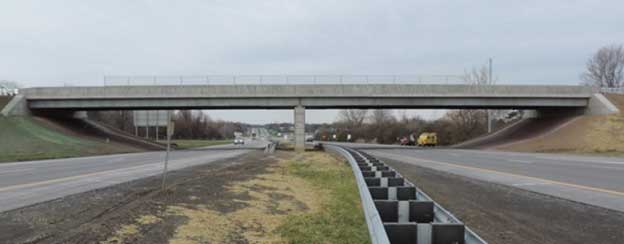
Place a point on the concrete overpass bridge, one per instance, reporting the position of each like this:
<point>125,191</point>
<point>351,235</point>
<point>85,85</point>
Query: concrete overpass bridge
<point>544,99</point>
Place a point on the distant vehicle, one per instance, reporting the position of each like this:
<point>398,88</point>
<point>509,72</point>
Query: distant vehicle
<point>428,139</point>
<point>253,135</point>
<point>408,140</point>
<point>404,141</point>
<point>239,141</point>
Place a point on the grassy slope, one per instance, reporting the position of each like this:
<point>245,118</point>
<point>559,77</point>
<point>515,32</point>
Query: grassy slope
<point>23,138</point>
<point>4,101</point>
<point>594,134</point>
<point>185,144</point>
<point>342,219</point>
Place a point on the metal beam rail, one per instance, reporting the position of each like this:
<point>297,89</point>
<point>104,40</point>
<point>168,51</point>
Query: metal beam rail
<point>117,80</point>
<point>377,228</point>
<point>373,220</point>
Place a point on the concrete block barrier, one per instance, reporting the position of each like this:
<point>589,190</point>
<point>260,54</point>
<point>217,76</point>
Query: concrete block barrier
<point>384,181</point>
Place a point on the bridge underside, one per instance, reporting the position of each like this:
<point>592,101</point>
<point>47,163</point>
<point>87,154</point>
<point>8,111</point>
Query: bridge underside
<point>553,105</point>
<point>311,103</point>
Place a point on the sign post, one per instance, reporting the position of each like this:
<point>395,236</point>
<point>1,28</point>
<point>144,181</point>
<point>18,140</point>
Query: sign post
<point>170,128</point>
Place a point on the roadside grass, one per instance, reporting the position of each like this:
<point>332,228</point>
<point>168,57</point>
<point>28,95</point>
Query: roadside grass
<point>187,144</point>
<point>4,100</point>
<point>341,219</point>
<point>285,197</point>
<point>22,138</point>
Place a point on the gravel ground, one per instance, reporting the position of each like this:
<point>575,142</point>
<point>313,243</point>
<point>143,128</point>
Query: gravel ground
<point>502,214</point>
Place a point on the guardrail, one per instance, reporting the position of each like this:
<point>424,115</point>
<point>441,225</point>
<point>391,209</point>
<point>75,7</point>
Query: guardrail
<point>396,210</point>
<point>115,80</point>
<point>373,220</point>
<point>617,90</point>
<point>6,89</point>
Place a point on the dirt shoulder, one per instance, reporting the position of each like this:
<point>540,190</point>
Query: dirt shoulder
<point>254,198</point>
<point>502,214</point>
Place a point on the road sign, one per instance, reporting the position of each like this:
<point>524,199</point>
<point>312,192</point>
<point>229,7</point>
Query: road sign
<point>151,118</point>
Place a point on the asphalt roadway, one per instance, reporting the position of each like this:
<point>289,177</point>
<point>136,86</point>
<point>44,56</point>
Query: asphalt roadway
<point>26,183</point>
<point>597,181</point>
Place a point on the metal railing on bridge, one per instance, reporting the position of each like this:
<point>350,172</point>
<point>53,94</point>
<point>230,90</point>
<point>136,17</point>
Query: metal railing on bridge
<point>115,80</point>
<point>8,89</point>
<point>617,90</point>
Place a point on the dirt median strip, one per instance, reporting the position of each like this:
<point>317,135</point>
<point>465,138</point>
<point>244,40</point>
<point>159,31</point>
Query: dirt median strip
<point>256,198</point>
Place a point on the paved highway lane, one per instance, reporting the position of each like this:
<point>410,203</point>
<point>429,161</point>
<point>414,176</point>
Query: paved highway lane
<point>26,183</point>
<point>593,180</point>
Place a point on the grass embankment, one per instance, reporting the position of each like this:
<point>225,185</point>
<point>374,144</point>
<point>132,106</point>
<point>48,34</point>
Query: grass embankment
<point>590,134</point>
<point>23,138</point>
<point>186,144</point>
<point>300,198</point>
<point>4,100</point>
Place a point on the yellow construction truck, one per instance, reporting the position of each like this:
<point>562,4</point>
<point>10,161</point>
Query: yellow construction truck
<point>427,139</point>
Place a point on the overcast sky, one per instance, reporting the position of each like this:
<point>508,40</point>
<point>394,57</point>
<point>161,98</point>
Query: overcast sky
<point>78,42</point>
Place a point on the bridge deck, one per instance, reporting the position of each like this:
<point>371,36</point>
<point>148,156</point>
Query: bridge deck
<point>310,96</point>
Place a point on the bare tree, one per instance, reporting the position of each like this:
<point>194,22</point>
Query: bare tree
<point>352,117</point>
<point>467,124</point>
<point>605,68</point>
<point>478,76</point>
<point>381,126</point>
<point>381,116</point>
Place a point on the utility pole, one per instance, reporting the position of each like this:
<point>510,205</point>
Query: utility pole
<point>489,113</point>
<point>170,128</point>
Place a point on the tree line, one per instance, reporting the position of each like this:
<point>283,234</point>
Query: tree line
<point>384,126</point>
<point>188,125</point>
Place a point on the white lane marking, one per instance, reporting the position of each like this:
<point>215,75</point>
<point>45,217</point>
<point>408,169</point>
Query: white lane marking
<point>579,160</point>
<point>519,161</point>
<point>14,170</point>
<point>531,184</point>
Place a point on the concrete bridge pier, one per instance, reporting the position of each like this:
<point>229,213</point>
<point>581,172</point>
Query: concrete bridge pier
<point>299,122</point>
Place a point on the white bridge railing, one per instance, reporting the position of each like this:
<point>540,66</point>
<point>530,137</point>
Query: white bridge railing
<point>8,89</point>
<point>617,90</point>
<point>115,80</point>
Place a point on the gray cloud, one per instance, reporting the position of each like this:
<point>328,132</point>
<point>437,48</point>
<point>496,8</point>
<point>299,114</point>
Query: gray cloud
<point>50,42</point>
